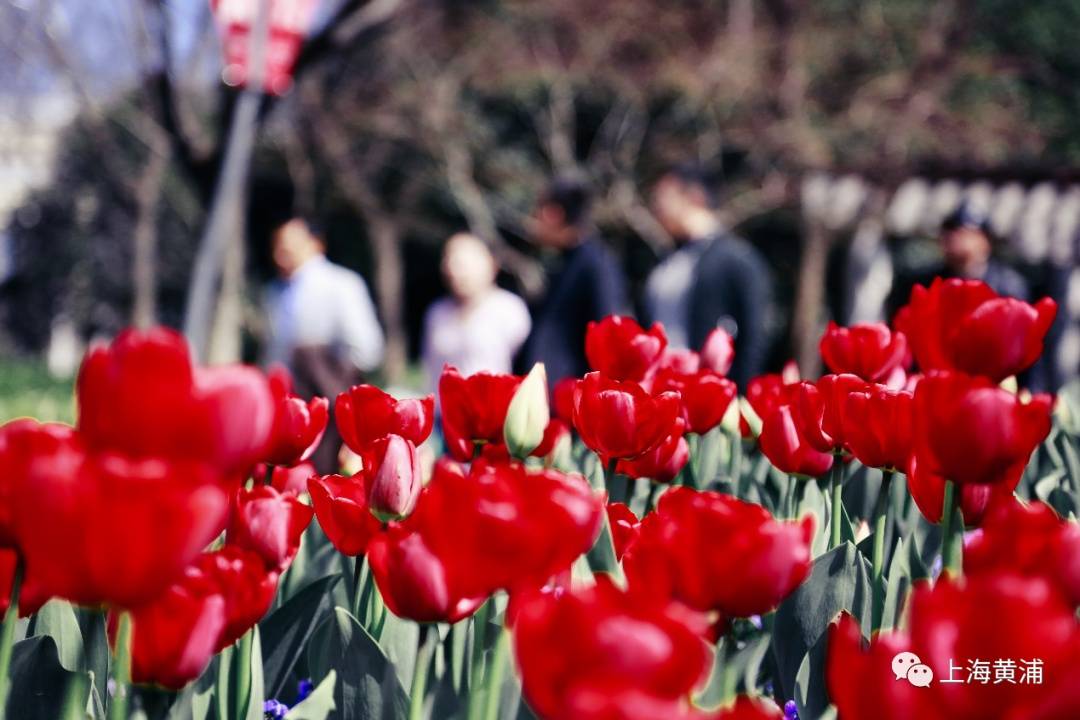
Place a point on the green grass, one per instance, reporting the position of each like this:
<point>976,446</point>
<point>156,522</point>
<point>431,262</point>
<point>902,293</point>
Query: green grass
<point>28,390</point>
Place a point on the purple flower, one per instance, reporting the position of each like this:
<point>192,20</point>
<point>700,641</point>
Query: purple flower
<point>274,710</point>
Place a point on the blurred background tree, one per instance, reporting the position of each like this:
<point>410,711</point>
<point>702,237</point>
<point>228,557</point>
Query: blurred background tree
<point>411,119</point>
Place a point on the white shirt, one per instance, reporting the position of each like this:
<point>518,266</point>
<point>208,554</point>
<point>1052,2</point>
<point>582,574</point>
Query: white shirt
<point>667,293</point>
<point>484,336</point>
<point>323,304</point>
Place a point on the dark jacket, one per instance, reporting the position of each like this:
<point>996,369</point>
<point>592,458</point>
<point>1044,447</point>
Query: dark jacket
<point>588,284</point>
<point>732,288</point>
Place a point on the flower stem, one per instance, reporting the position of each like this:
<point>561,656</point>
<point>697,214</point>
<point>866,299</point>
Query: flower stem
<point>7,635</point>
<point>496,672</point>
<point>837,479</point>
<point>654,490</point>
<point>269,474</point>
<point>952,532</point>
<point>121,669</point>
<point>881,516</point>
<point>425,647</point>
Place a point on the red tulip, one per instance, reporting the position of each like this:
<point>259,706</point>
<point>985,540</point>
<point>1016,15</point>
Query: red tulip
<point>393,475</point>
<point>555,431</point>
<point>13,459</point>
<point>695,539</point>
<point>174,636</point>
<point>765,393</point>
<point>820,410</point>
<point>705,396</point>
<point>292,480</point>
<point>31,595</point>
<point>107,529</point>
<point>598,652</point>
<point>298,425</point>
<point>879,426</point>
<point>749,708</point>
<point>474,409</point>
<point>964,325</point>
<point>624,527</point>
<point>787,448</point>
<point>140,396</point>
<point>663,463</point>
<point>928,491</point>
<point>364,414</point>
<point>510,527</point>
<point>621,349</point>
<point>562,399</point>
<point>1030,540</point>
<point>244,583</point>
<point>718,352</point>
<point>971,431</point>
<point>414,581</point>
<point>871,351</point>
<point>620,419</point>
<point>998,617</point>
<point>269,523</point>
<point>341,505</point>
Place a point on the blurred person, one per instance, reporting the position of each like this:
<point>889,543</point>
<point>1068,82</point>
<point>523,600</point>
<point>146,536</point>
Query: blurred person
<point>967,251</point>
<point>967,245</point>
<point>712,279</point>
<point>478,326</point>
<point>322,323</point>
<point>586,283</point>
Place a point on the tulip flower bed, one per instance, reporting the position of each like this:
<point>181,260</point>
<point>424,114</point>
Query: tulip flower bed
<point>876,543</point>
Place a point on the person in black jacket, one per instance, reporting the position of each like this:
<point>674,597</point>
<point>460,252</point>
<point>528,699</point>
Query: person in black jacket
<point>713,278</point>
<point>585,282</point>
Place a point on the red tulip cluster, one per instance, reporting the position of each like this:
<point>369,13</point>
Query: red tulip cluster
<point>160,451</point>
<point>643,397</point>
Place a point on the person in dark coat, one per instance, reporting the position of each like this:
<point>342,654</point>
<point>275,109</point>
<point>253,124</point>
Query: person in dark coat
<point>967,251</point>
<point>585,282</point>
<point>713,278</point>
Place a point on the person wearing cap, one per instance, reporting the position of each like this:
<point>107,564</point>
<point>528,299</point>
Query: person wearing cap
<point>713,278</point>
<point>967,251</point>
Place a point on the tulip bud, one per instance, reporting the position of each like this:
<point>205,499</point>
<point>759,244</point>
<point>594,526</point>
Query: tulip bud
<point>528,415</point>
<point>395,479</point>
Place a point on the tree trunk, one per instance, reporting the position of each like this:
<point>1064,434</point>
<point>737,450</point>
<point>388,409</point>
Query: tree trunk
<point>390,292</point>
<point>144,276</point>
<point>806,320</point>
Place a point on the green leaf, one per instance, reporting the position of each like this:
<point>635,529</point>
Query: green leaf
<point>398,641</point>
<point>811,697</point>
<point>367,687</point>
<point>813,502</point>
<point>38,681</point>
<point>319,704</point>
<point>256,694</point>
<point>839,580</point>
<point>286,632</point>
<point>57,619</point>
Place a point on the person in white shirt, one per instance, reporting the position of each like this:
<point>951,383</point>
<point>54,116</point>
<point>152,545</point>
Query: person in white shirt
<point>322,324</point>
<point>315,303</point>
<point>479,326</point>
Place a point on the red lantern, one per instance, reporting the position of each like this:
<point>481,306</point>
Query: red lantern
<point>288,25</point>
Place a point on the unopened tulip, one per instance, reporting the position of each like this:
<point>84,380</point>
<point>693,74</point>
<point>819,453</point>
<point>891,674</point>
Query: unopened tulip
<point>364,414</point>
<point>964,325</point>
<point>394,477</point>
<point>620,419</point>
<point>621,349</point>
<point>298,425</point>
<point>705,396</point>
<point>718,352</point>
<point>269,523</point>
<point>528,415</point>
<point>871,351</point>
